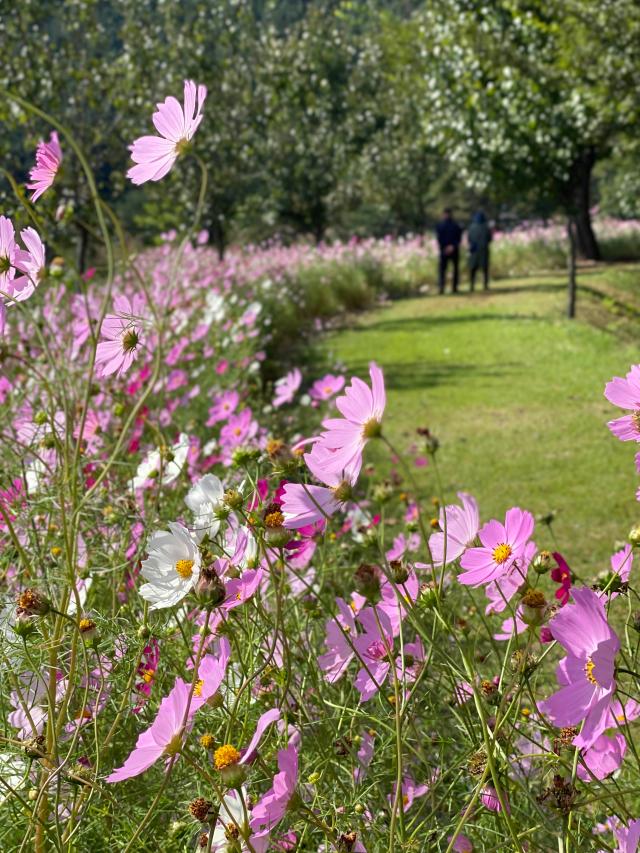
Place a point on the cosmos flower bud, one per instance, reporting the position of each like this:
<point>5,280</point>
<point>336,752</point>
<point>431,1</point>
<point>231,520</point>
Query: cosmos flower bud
<point>521,663</point>
<point>210,590</point>
<point>634,536</point>
<point>543,562</point>
<point>399,571</point>
<point>367,580</point>
<point>534,606</point>
<point>24,625</point>
<point>144,632</point>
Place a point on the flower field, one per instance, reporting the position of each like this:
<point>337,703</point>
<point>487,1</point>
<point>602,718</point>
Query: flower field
<point>222,628</point>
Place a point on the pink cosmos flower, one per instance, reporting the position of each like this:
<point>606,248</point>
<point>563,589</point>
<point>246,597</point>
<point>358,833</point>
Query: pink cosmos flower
<point>490,800</point>
<point>48,159</point>
<point>31,262</point>
<point>238,430</point>
<point>146,673</point>
<point>162,738</point>
<point>341,652</point>
<point>625,393</point>
<point>325,388</point>
<point>373,649</point>
<point>603,757</point>
<point>224,405</point>
<point>285,388</point>
<point>461,844</point>
<point>362,409</point>
<point>502,551</point>
<point>155,155</point>
<point>124,338</point>
<point>621,565</point>
<point>587,673</point>
<point>271,808</point>
<point>364,756</point>
<point>461,524</point>
<point>628,837</point>
<point>410,792</point>
<point>210,676</point>
<point>8,249</point>
<point>501,591</point>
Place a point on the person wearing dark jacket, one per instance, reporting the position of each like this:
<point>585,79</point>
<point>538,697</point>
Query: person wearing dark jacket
<point>479,237</point>
<point>449,235</point>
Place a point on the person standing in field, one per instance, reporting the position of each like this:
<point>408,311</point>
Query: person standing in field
<point>449,236</point>
<point>479,237</point>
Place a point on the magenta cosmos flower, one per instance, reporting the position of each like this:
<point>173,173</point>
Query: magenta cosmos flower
<point>48,159</point>
<point>503,548</point>
<point>123,339</point>
<point>285,388</point>
<point>155,155</point>
<point>587,673</point>
<point>162,738</point>
<point>461,524</point>
<point>362,409</point>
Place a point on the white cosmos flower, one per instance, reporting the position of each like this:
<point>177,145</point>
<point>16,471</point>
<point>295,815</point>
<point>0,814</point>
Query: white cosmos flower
<point>204,499</point>
<point>172,567</point>
<point>232,814</point>
<point>170,469</point>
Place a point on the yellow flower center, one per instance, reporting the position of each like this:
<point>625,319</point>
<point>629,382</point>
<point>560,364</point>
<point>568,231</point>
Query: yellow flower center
<point>183,568</point>
<point>588,669</point>
<point>225,755</point>
<point>501,553</point>
<point>274,519</point>
<point>207,741</point>
<point>147,675</point>
<point>197,690</point>
<point>635,417</point>
<point>372,428</point>
<point>174,746</point>
<point>130,340</point>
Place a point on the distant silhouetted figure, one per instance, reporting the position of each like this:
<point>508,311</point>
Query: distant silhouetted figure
<point>449,235</point>
<point>479,237</point>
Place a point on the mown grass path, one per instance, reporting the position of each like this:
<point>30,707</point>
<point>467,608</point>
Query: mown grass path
<point>515,394</point>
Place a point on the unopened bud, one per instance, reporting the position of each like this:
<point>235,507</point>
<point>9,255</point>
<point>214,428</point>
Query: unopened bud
<point>210,589</point>
<point>543,562</point>
<point>399,571</point>
<point>534,606</point>
<point>634,536</point>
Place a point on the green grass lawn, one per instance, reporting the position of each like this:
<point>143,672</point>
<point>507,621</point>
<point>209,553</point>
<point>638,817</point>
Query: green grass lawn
<point>514,392</point>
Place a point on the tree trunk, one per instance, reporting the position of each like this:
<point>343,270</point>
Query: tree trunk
<point>82,248</point>
<point>573,251</point>
<point>218,236</point>
<point>580,204</point>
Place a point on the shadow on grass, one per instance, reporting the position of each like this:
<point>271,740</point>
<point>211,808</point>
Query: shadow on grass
<point>426,321</point>
<point>415,376</point>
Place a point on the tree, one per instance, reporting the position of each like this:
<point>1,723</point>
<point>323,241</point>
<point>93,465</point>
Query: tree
<point>526,93</point>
